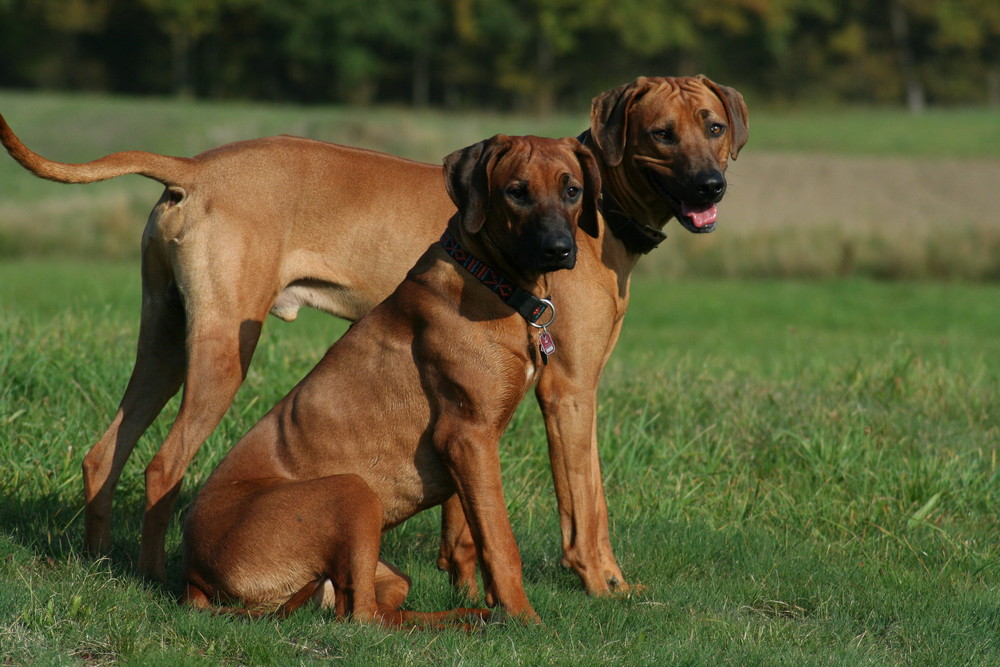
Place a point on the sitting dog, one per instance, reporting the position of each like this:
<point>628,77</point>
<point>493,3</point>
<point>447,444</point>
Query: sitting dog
<point>275,224</point>
<point>406,409</point>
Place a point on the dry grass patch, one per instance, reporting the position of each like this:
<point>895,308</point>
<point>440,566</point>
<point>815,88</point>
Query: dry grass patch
<point>821,215</point>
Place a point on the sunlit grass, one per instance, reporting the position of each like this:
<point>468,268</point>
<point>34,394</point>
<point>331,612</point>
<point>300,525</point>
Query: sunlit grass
<point>798,472</point>
<point>816,193</point>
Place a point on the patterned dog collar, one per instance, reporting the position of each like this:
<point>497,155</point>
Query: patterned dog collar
<point>526,304</point>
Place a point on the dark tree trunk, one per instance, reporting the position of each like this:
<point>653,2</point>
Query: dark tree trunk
<point>545,92</point>
<point>916,99</point>
<point>421,79</point>
<point>180,46</point>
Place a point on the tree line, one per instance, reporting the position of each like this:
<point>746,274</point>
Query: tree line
<point>505,54</point>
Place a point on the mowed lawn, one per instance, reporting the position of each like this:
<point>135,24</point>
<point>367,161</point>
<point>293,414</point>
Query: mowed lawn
<point>798,472</point>
<point>815,193</point>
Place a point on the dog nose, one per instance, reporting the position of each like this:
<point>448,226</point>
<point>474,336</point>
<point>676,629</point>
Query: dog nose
<point>710,184</point>
<point>558,248</point>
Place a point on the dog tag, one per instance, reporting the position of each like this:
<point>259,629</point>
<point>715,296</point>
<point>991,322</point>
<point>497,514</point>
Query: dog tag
<point>546,345</point>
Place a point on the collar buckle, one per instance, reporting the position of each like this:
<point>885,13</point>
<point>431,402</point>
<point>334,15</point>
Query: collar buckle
<point>529,306</point>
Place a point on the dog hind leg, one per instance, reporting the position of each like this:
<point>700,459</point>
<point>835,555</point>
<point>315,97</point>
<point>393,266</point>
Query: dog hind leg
<point>457,554</point>
<point>156,376</point>
<point>214,374</point>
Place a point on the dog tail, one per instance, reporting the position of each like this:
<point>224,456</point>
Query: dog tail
<point>163,168</point>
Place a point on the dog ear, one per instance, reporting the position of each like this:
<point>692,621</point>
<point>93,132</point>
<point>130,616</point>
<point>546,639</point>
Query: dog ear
<point>736,114</point>
<point>591,187</point>
<point>467,179</point>
<point>609,119</point>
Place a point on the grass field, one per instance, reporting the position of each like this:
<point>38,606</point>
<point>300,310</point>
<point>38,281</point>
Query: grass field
<point>816,193</point>
<point>798,472</point>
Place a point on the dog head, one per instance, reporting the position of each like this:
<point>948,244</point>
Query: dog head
<point>665,143</point>
<point>524,197</point>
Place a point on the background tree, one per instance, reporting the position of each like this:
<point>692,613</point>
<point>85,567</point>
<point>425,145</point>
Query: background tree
<point>505,54</point>
<point>185,22</point>
<point>71,22</point>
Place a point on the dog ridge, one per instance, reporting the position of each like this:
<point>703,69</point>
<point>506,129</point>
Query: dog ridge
<point>280,223</point>
<point>328,472</point>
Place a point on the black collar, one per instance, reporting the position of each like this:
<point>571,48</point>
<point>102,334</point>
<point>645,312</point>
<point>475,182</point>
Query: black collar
<point>525,303</point>
<point>638,238</point>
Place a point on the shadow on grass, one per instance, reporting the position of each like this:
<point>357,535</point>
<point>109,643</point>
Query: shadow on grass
<point>49,529</point>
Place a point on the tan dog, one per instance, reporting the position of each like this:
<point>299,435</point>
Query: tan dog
<point>275,224</point>
<point>663,145</point>
<point>407,408</point>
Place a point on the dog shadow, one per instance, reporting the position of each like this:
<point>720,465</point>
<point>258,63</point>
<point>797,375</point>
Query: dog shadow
<point>47,529</point>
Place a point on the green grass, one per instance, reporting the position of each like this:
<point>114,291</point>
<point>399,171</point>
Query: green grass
<point>937,133</point>
<point>76,127</point>
<point>799,473</point>
<point>816,192</point>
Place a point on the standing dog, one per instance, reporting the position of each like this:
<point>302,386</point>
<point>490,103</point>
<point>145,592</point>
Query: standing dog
<point>407,408</point>
<point>275,224</point>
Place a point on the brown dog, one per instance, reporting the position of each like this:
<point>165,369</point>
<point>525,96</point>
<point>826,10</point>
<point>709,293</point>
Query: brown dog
<point>275,224</point>
<point>407,408</point>
<point>663,145</point>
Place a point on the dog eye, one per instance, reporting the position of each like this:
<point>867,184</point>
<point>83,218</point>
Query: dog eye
<point>664,136</point>
<point>518,192</point>
<point>716,129</point>
<point>573,192</point>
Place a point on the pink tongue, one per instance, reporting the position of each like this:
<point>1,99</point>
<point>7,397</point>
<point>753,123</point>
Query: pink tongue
<point>701,217</point>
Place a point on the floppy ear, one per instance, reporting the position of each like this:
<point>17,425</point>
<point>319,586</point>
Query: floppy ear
<point>467,178</point>
<point>591,187</point>
<point>609,118</point>
<point>736,114</point>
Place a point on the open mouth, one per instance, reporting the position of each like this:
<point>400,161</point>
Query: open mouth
<point>697,218</point>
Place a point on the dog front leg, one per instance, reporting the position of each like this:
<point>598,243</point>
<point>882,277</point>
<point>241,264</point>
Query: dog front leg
<point>567,395</point>
<point>474,463</point>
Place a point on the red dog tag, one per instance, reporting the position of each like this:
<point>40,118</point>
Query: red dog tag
<point>545,343</point>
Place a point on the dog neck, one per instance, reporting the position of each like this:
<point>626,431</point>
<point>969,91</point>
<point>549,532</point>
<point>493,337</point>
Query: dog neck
<point>529,306</point>
<point>638,237</point>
